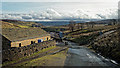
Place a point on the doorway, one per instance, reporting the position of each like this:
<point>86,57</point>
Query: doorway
<point>39,40</point>
<point>19,44</point>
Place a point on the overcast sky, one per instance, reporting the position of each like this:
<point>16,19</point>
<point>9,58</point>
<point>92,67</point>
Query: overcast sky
<point>60,0</point>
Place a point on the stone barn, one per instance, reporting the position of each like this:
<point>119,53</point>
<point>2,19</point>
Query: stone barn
<point>18,37</point>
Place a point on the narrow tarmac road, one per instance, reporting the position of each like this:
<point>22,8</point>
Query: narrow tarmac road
<point>82,56</point>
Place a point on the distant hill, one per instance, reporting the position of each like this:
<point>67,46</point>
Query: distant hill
<point>107,21</point>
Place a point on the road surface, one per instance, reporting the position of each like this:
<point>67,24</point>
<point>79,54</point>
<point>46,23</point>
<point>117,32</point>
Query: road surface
<point>82,56</point>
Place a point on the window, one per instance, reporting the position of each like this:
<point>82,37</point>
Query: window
<point>19,44</point>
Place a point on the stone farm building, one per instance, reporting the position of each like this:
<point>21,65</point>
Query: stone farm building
<point>17,37</point>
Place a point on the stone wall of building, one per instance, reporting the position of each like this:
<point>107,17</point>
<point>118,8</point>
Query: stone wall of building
<point>28,41</point>
<point>16,53</point>
<point>5,43</point>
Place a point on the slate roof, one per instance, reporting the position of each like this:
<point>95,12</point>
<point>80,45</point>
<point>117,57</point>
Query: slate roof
<point>18,34</point>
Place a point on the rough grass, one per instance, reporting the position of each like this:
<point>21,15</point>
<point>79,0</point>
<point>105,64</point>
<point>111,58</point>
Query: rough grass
<point>49,60</point>
<point>87,35</point>
<point>83,40</point>
<point>8,25</point>
<point>108,47</point>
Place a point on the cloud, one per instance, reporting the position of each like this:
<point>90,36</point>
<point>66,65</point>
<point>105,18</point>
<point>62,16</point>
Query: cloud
<point>51,14</point>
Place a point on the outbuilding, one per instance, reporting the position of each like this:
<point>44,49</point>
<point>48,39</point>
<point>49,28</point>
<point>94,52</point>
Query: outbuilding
<point>18,37</point>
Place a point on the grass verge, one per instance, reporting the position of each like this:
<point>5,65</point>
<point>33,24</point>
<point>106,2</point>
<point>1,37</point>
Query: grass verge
<point>48,60</point>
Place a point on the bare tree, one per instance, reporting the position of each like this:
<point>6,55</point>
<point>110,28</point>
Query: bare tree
<point>78,25</point>
<point>72,25</point>
<point>81,26</point>
<point>87,24</point>
<point>114,21</point>
<point>91,24</point>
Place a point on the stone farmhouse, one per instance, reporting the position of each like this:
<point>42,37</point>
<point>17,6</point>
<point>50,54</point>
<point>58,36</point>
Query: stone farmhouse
<point>18,37</point>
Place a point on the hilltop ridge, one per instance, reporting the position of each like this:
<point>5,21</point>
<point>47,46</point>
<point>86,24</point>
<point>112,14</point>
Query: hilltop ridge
<point>6,23</point>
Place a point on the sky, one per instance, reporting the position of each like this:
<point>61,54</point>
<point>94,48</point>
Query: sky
<point>59,9</point>
<point>60,0</point>
<point>57,6</point>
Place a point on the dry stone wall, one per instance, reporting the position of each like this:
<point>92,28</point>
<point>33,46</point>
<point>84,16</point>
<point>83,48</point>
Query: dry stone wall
<point>16,53</point>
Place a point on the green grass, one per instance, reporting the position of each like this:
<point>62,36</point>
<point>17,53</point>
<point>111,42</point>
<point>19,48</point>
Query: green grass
<point>83,40</point>
<point>23,26</point>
